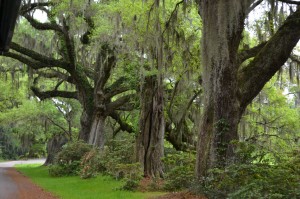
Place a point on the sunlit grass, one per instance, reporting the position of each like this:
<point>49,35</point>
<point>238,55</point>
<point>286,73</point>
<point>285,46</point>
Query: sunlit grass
<point>101,187</point>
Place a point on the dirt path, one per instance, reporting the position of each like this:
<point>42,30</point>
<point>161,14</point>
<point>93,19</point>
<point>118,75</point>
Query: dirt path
<point>14,185</point>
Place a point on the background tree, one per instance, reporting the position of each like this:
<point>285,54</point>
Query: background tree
<point>70,60</point>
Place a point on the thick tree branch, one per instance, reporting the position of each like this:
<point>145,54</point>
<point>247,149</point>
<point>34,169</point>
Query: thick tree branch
<point>119,102</point>
<point>249,53</point>
<point>290,2</point>
<point>39,57</point>
<point>253,6</point>
<point>29,62</point>
<point>69,42</point>
<point>42,26</point>
<point>55,93</point>
<point>116,88</point>
<point>269,60</point>
<point>56,74</point>
<point>123,125</point>
<point>31,6</point>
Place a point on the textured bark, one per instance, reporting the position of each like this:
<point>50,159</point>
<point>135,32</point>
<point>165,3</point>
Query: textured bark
<point>229,89</point>
<point>151,136</point>
<point>221,37</point>
<point>54,146</point>
<point>96,137</point>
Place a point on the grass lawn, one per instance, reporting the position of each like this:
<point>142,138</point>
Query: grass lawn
<point>101,187</point>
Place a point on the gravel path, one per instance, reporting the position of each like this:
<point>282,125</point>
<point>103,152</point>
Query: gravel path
<point>14,185</point>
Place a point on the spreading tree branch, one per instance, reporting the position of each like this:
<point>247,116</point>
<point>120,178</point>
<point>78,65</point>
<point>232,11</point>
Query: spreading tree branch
<point>252,52</point>
<point>290,2</point>
<point>56,74</point>
<point>118,102</point>
<point>39,57</point>
<point>269,60</point>
<point>54,93</point>
<point>29,62</point>
<point>253,6</point>
<point>123,125</point>
<point>31,6</point>
<point>43,26</point>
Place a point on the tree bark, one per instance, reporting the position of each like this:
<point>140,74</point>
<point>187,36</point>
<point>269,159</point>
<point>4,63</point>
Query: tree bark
<point>229,88</point>
<point>54,146</point>
<point>97,136</point>
<point>222,32</point>
<point>151,136</point>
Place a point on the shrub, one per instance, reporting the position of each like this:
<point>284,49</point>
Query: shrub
<point>91,164</point>
<point>180,177</point>
<point>131,174</point>
<point>67,162</point>
<point>117,153</point>
<point>179,170</point>
<point>130,185</point>
<point>254,181</point>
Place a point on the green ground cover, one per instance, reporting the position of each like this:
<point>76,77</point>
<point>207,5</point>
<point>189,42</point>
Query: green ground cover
<point>101,187</point>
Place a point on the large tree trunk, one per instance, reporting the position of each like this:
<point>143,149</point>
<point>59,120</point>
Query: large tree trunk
<point>151,136</point>
<point>86,124</point>
<point>97,136</point>
<point>92,126</point>
<point>223,23</point>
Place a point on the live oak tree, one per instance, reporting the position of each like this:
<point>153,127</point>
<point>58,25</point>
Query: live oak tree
<point>160,52</point>
<point>70,60</point>
<point>230,83</point>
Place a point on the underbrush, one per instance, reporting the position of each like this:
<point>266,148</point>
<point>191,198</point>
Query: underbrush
<point>81,159</point>
<point>249,179</point>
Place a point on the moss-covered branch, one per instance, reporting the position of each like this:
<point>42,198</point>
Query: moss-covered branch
<point>54,93</point>
<point>39,57</point>
<point>28,61</point>
<point>42,26</point>
<point>270,59</point>
<point>249,53</point>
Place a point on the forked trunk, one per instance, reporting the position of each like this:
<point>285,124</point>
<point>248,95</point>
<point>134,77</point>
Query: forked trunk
<point>151,137</point>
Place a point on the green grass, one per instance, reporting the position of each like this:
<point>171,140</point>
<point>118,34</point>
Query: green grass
<point>101,187</point>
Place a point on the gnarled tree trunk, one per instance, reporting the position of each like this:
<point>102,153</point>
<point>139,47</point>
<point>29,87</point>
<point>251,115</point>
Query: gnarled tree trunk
<point>151,136</point>
<point>223,23</point>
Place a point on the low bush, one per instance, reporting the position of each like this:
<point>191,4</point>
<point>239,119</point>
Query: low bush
<point>67,162</point>
<point>254,180</point>
<point>91,164</point>
<point>131,174</point>
<point>180,168</point>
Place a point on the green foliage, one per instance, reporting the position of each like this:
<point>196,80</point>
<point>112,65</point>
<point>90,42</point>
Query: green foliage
<point>180,169</point>
<point>132,174</point>
<point>37,150</point>
<point>67,162</point>
<point>130,185</point>
<point>254,180</point>
<point>118,152</point>
<point>271,124</point>
<point>91,164</point>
